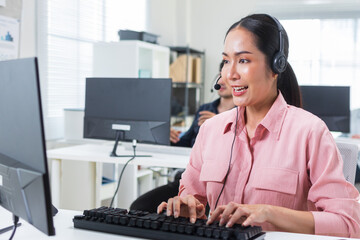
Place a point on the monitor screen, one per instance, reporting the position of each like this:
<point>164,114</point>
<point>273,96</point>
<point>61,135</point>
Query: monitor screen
<point>330,103</point>
<point>24,177</point>
<point>141,106</point>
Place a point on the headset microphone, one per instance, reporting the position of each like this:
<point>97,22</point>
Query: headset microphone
<point>217,86</point>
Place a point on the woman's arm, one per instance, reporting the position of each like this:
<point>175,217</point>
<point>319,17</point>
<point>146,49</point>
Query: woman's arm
<point>337,210</point>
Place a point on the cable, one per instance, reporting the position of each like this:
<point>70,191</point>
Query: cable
<point>232,147</point>
<point>16,220</point>
<point>122,171</point>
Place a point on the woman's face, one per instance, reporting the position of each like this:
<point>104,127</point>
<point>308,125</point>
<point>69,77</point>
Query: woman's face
<point>245,68</point>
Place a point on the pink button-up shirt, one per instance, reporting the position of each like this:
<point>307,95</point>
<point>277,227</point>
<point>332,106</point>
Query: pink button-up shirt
<point>292,161</point>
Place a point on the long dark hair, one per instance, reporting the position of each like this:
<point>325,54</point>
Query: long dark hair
<point>266,34</point>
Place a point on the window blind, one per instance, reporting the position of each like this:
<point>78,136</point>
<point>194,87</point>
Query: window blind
<point>67,30</point>
<point>326,52</point>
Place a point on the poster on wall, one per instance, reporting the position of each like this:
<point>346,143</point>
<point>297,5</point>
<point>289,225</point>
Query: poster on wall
<point>9,38</point>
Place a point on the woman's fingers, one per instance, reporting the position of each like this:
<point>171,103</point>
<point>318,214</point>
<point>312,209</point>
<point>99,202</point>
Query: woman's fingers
<point>161,207</point>
<point>228,212</point>
<point>191,208</point>
<point>233,213</point>
<point>187,206</point>
<point>176,206</point>
<point>215,215</point>
<point>238,216</point>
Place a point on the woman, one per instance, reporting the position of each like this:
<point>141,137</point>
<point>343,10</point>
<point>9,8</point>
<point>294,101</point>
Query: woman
<point>267,162</point>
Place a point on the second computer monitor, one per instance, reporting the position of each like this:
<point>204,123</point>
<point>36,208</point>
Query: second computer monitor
<point>139,107</point>
<point>330,103</point>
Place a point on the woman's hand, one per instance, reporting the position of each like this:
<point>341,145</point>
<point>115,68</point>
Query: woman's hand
<point>187,206</point>
<point>240,213</point>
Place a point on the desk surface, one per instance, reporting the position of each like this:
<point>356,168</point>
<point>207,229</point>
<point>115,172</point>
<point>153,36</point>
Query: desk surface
<point>101,153</point>
<point>65,230</point>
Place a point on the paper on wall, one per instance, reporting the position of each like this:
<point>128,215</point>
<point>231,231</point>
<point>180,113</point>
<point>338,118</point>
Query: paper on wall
<point>9,38</point>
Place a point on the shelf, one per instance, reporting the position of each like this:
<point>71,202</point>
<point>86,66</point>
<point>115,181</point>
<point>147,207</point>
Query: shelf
<point>107,190</point>
<point>186,50</point>
<point>130,58</point>
<point>143,172</point>
<point>188,85</point>
<point>187,71</point>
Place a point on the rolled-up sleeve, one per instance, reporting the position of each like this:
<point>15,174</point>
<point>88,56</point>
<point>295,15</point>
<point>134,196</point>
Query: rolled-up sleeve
<point>336,200</point>
<point>190,183</point>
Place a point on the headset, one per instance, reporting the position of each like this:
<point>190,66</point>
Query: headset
<point>279,61</point>
<point>216,85</point>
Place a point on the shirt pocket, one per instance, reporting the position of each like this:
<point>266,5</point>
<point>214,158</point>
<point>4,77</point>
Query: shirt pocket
<point>276,186</point>
<point>212,171</point>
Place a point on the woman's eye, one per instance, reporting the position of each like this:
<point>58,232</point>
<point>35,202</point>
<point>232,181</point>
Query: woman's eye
<point>244,61</point>
<point>225,61</point>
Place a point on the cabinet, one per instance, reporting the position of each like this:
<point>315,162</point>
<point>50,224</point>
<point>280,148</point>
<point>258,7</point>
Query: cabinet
<point>187,72</point>
<point>130,58</point>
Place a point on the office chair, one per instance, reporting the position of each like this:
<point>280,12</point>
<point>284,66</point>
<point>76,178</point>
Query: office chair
<point>349,153</point>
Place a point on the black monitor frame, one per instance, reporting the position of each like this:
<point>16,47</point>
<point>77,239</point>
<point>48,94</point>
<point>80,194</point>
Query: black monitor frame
<point>128,109</point>
<point>330,103</point>
<point>25,187</point>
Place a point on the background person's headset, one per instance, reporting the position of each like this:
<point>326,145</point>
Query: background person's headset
<point>278,65</point>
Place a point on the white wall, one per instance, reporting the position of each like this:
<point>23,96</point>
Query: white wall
<point>28,29</point>
<point>169,20</point>
<point>202,24</point>
<point>210,19</point>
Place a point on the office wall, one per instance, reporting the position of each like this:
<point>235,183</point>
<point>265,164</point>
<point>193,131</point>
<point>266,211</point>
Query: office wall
<point>210,21</point>
<point>12,9</point>
<point>28,29</point>
<point>202,24</point>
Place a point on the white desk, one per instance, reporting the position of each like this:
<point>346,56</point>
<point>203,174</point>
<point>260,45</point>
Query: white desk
<point>76,174</point>
<point>65,230</point>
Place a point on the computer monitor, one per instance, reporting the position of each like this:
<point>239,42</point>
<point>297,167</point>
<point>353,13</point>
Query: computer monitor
<point>24,177</point>
<point>330,103</point>
<point>138,107</point>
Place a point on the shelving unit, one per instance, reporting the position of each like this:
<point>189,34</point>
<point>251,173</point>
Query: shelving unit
<point>130,58</point>
<point>188,94</point>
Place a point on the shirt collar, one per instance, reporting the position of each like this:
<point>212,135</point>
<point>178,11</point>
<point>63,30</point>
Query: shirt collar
<point>272,121</point>
<point>238,112</point>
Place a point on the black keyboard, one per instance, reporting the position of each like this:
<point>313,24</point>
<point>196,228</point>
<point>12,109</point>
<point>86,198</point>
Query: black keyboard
<point>159,226</point>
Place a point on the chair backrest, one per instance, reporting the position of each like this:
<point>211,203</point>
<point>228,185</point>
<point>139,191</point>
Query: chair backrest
<point>349,152</point>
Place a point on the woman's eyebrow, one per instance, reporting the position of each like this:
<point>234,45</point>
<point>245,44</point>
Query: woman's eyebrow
<point>237,53</point>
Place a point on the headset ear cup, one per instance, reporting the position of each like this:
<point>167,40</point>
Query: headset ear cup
<point>279,63</point>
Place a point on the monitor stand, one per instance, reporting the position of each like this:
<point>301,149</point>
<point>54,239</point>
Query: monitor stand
<point>4,230</point>
<point>117,139</point>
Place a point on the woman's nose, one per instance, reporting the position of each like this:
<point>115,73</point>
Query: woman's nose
<point>233,73</point>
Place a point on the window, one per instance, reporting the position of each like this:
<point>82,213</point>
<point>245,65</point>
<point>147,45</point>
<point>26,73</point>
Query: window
<point>326,52</point>
<point>66,31</point>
